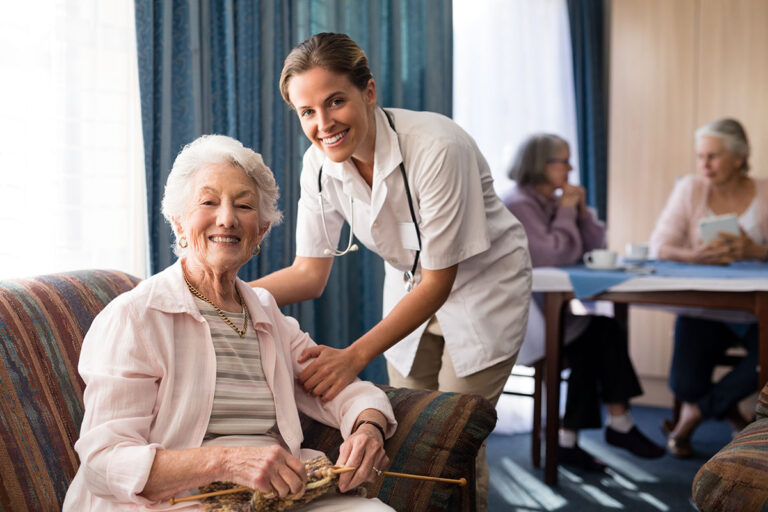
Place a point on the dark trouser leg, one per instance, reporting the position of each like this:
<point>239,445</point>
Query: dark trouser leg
<point>600,368</point>
<point>699,345</point>
<point>617,377</point>
<point>737,384</point>
<point>582,405</point>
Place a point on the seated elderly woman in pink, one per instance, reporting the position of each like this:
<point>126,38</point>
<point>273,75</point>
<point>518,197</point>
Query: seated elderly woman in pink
<point>722,187</point>
<point>560,230</point>
<point>191,377</point>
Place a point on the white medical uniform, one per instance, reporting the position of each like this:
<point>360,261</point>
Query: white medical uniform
<point>461,221</point>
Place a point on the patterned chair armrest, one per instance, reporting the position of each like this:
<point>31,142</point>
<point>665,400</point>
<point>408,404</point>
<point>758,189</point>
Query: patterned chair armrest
<point>736,477</point>
<point>761,410</point>
<point>438,434</point>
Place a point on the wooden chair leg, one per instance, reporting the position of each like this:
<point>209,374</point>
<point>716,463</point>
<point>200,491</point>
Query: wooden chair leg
<point>538,379</point>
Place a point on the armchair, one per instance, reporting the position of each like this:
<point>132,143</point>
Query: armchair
<point>42,323</point>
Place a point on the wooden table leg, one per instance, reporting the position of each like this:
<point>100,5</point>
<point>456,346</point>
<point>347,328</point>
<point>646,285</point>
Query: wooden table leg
<point>761,312</point>
<point>553,315</point>
<point>538,369</point>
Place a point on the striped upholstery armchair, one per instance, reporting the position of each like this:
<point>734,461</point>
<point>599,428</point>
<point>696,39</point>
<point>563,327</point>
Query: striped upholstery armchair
<point>42,324</point>
<point>736,478</point>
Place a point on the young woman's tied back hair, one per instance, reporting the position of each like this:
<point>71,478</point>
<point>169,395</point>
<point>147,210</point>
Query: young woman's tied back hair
<point>530,163</point>
<point>733,135</point>
<point>337,53</point>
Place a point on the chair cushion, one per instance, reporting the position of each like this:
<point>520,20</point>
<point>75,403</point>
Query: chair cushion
<point>761,410</point>
<point>736,477</point>
<point>438,434</point>
<point>42,324</point>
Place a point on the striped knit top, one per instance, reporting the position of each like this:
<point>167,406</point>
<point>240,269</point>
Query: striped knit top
<point>243,404</point>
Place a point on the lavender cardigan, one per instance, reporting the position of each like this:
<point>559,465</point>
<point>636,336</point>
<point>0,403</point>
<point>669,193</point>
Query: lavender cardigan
<point>557,236</point>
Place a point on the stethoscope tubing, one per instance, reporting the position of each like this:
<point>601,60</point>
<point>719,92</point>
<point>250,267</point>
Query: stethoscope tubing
<point>408,276</point>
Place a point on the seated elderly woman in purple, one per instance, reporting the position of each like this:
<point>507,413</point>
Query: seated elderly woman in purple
<point>560,230</point>
<point>191,377</point>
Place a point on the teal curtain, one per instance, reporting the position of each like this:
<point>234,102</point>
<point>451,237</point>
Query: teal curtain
<point>212,66</point>
<point>586,20</point>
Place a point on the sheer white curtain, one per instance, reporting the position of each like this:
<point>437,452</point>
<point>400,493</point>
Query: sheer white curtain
<point>513,76</point>
<point>70,138</point>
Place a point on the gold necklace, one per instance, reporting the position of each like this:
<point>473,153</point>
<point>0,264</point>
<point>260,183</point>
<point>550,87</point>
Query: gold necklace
<point>224,317</point>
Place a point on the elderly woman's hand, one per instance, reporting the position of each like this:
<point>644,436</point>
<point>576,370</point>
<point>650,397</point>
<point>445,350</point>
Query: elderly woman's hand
<point>572,195</point>
<point>714,253</point>
<point>741,247</point>
<point>266,468</point>
<point>364,450</point>
<point>330,372</point>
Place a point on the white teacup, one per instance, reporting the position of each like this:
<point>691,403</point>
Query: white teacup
<point>600,258</point>
<point>636,251</point>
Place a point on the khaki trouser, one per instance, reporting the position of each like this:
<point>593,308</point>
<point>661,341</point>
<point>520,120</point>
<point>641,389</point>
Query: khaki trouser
<point>432,369</point>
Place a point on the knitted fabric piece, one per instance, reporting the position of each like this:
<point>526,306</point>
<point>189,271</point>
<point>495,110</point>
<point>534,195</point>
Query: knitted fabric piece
<point>319,481</point>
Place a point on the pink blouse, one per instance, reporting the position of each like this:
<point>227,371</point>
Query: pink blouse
<point>678,224</point>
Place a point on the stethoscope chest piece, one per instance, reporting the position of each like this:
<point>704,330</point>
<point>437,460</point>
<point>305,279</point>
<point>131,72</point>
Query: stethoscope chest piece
<point>408,280</point>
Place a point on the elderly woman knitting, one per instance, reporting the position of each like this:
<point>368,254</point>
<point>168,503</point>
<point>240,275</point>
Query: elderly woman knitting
<point>191,377</point>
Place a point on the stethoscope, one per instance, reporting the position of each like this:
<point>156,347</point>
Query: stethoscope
<point>408,275</point>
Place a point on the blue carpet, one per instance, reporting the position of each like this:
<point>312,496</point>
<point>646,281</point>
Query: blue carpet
<point>631,483</point>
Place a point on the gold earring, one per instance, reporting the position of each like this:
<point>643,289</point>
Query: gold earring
<point>258,250</point>
<point>183,242</point>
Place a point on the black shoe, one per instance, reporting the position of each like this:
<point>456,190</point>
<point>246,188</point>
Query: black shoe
<point>577,457</point>
<point>635,442</point>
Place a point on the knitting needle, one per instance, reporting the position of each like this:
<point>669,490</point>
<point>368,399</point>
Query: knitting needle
<point>335,470</point>
<point>461,482</point>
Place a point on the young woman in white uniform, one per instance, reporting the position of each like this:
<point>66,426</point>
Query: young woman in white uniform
<point>415,189</point>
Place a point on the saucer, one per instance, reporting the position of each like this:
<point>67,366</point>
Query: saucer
<point>617,266</point>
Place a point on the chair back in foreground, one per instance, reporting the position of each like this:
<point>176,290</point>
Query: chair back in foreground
<point>736,477</point>
<point>42,324</point>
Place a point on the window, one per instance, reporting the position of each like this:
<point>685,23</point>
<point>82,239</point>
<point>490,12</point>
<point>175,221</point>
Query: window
<point>70,138</point>
<point>513,76</point>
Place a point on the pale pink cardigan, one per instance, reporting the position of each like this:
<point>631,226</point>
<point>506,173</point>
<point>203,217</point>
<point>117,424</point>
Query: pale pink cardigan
<point>150,371</point>
<point>678,224</point>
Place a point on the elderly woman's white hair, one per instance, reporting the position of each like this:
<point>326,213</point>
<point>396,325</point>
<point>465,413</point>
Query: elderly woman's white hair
<point>733,135</point>
<point>211,150</point>
<point>530,163</point>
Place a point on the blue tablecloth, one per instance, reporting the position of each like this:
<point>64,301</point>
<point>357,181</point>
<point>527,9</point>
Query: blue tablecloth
<point>589,282</point>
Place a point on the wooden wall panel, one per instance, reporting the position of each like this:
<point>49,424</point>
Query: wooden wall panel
<point>652,98</point>
<point>675,65</point>
<point>733,70</point>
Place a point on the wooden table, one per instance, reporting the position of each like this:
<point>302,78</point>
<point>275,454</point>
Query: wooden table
<point>734,294</point>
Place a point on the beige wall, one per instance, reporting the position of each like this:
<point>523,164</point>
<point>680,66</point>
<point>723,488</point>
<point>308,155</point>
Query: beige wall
<point>674,65</point>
